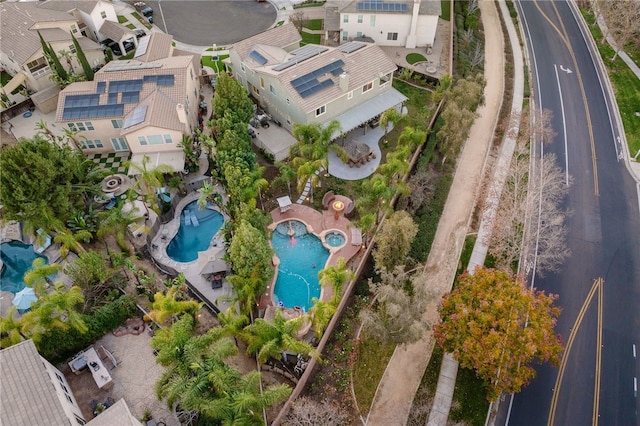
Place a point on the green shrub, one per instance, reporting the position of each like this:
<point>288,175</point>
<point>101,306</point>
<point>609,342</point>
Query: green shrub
<point>59,345</point>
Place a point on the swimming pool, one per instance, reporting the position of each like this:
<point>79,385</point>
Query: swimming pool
<point>17,258</point>
<point>302,256</point>
<point>197,228</point>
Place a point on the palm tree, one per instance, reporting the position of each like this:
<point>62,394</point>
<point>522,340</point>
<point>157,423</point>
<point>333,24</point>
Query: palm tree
<point>412,137</point>
<point>149,180</point>
<point>43,128</point>
<point>246,292</point>
<point>336,276</point>
<point>70,241</point>
<point>390,116</point>
<point>56,309</point>
<point>10,329</point>
<point>244,402</point>
<point>321,313</point>
<point>268,339</point>
<point>287,174</point>
<point>231,324</point>
<point>115,221</point>
<point>166,306</point>
<point>38,276</point>
<point>209,193</point>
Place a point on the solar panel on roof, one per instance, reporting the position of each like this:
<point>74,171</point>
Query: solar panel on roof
<point>351,47</point>
<point>99,111</point>
<point>256,56</point>
<point>135,117</point>
<point>165,80</point>
<point>101,87</point>
<point>125,86</point>
<point>73,101</point>
<point>130,97</point>
<point>381,6</point>
<point>315,89</point>
<point>301,54</point>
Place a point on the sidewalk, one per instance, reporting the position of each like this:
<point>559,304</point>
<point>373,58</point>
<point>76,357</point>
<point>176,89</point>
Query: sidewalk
<point>401,379</point>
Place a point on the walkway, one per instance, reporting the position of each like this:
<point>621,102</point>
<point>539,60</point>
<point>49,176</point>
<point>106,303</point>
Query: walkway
<point>401,379</point>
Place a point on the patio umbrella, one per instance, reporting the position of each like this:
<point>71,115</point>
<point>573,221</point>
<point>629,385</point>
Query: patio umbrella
<point>24,298</point>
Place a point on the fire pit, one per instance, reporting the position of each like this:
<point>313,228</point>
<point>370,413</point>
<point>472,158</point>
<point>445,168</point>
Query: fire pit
<point>338,207</point>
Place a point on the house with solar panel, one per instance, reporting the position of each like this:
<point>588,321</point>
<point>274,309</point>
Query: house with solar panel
<point>315,84</point>
<point>409,24</point>
<point>143,106</point>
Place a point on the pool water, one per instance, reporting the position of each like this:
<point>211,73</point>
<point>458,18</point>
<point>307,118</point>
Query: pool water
<point>334,239</point>
<point>302,256</point>
<point>194,235</point>
<point>17,258</point>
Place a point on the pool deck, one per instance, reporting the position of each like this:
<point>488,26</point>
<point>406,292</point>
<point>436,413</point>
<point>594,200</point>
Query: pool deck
<point>219,297</point>
<point>319,223</point>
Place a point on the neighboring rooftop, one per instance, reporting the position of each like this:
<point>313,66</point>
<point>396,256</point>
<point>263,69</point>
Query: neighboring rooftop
<point>118,414</point>
<point>27,396</point>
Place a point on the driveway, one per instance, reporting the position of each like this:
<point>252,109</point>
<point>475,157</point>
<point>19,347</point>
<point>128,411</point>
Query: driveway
<point>205,22</point>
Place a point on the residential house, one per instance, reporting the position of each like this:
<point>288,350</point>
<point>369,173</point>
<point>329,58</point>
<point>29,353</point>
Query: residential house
<point>33,391</point>
<point>21,55</point>
<point>118,414</point>
<point>408,23</point>
<point>144,105</point>
<point>315,84</point>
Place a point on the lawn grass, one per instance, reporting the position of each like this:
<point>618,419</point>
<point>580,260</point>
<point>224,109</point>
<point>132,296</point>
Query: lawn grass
<point>131,26</point>
<point>314,24</point>
<point>470,403</point>
<point>122,19</point>
<point>310,38</point>
<point>312,4</point>
<point>625,84</point>
<point>418,98</point>
<point>217,66</point>
<point>279,23</point>
<point>413,58</point>
<point>372,360</point>
<point>445,14</point>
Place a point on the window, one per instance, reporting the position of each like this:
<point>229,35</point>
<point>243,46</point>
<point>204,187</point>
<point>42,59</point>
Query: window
<point>359,34</point>
<point>64,388</point>
<point>142,140</point>
<point>360,19</point>
<point>345,19</point>
<point>272,89</point>
<point>167,139</point>
<point>69,398</point>
<point>74,29</point>
<point>350,95</point>
<point>119,144</point>
<point>288,101</point>
<point>367,87</point>
<point>372,20</point>
<point>385,78</point>
<point>262,82</point>
<point>345,36</point>
<point>191,73</point>
<point>255,90</point>
<point>321,110</point>
<point>155,140</point>
<point>392,36</point>
<point>59,378</point>
<point>103,14</point>
<point>81,126</point>
<point>242,67</point>
<point>80,421</point>
<point>92,144</point>
<point>72,48</point>
<point>39,67</point>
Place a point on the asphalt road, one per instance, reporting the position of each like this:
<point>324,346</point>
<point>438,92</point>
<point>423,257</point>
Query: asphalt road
<point>205,22</point>
<point>600,322</point>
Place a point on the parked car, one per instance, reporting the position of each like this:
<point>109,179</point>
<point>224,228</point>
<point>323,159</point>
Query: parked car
<point>147,11</point>
<point>139,33</point>
<point>105,43</point>
<point>115,47</point>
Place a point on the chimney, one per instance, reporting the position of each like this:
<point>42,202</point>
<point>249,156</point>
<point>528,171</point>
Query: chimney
<point>182,113</point>
<point>344,82</point>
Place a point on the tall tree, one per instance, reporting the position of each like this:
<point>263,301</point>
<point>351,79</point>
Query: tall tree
<point>400,303</point>
<point>92,274</point>
<point>394,240</point>
<point>390,116</point>
<point>39,276</point>
<point>231,97</point>
<point>268,339</point>
<point>166,306</point>
<point>10,329</point>
<point>82,58</point>
<point>70,241</point>
<point>250,254</point>
<point>493,323</point>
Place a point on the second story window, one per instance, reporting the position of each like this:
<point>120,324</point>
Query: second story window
<point>367,87</point>
<point>103,14</point>
<point>345,19</point>
<point>39,67</point>
<point>321,110</point>
<point>117,124</point>
<point>360,19</point>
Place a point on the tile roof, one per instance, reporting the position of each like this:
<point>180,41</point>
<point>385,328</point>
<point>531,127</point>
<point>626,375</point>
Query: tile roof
<point>167,96</point>
<point>86,6</point>
<point>115,31</point>
<point>118,414</point>
<point>281,36</point>
<point>17,38</point>
<point>427,7</point>
<point>158,47</point>
<point>27,396</point>
<point>362,66</point>
<point>55,34</point>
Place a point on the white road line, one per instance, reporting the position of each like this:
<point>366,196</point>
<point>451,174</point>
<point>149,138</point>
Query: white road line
<point>564,129</point>
<point>634,350</point>
<point>635,387</point>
